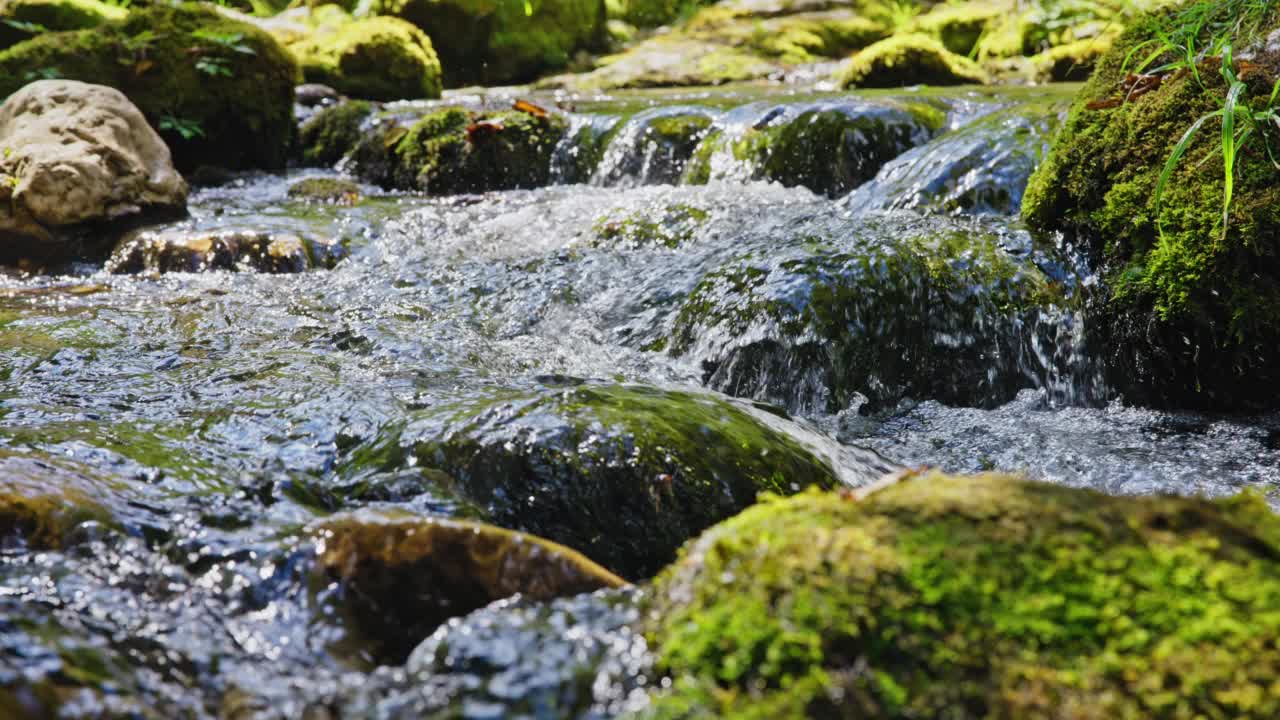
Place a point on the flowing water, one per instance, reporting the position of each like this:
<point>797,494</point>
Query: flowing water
<point>214,414</point>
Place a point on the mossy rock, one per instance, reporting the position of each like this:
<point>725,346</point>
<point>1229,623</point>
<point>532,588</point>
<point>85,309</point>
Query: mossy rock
<point>379,58</point>
<point>911,59</point>
<point>624,474</point>
<point>671,226</point>
<point>832,151</point>
<point>960,27</point>
<point>653,147</point>
<point>1189,311</point>
<point>1073,61</point>
<point>400,576</point>
<point>975,597</point>
<point>42,503</point>
<point>670,61</point>
<point>453,150</point>
<point>927,315</point>
<point>327,136</point>
<point>23,19</point>
<point>493,42</point>
<point>325,190</point>
<point>219,91</point>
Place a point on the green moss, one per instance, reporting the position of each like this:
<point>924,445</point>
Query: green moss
<point>960,27</point>
<point>975,597</point>
<point>40,503</point>
<point>380,58</point>
<point>244,113</point>
<point>328,190</point>
<point>332,133</point>
<point>1193,313</point>
<point>624,474</point>
<point>674,226</point>
<point>32,17</point>
<point>404,575</point>
<point>1073,61</point>
<point>911,59</point>
<point>453,150</point>
<point>500,41</point>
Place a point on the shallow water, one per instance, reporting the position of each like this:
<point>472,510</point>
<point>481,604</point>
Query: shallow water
<point>215,414</point>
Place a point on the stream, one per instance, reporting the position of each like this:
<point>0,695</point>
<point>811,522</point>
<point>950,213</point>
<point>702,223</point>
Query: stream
<point>215,414</point>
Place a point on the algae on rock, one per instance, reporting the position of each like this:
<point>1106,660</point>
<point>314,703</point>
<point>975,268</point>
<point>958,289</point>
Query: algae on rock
<point>975,597</point>
<point>912,59</point>
<point>1189,309</point>
<point>327,136</point>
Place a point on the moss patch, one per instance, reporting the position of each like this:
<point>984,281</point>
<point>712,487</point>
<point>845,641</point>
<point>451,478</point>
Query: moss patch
<point>23,19</point>
<point>911,59</point>
<point>333,132</point>
<point>212,103</point>
<point>380,58</point>
<point>975,598</point>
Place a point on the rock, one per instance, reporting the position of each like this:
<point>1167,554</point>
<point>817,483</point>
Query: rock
<point>43,503</point>
<point>75,157</point>
<point>312,95</point>
<point>974,597</point>
<point>977,169</point>
<point>1073,61</point>
<point>817,326</point>
<point>165,251</point>
<point>960,27</point>
<point>730,42</point>
<point>219,91</point>
<point>652,146</point>
<point>1189,305</point>
<point>453,150</point>
<point>491,43</point>
<point>913,59</point>
<point>400,576</point>
<point>333,132</point>
<point>326,190</point>
<point>378,58</point>
<point>625,474</point>
<point>24,19</point>
<point>670,226</point>
<point>829,148</point>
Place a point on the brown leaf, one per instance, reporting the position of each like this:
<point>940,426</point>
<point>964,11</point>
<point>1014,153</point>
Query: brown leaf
<point>525,106</point>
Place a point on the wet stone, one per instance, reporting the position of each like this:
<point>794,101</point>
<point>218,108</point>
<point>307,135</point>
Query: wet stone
<point>164,251</point>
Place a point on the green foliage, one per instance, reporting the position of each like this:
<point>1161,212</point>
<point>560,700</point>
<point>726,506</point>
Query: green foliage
<point>186,128</point>
<point>975,597</point>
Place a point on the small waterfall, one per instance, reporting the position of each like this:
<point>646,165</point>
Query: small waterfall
<point>578,153</point>
<point>652,147</point>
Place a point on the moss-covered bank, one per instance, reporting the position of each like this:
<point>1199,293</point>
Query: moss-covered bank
<point>219,91</point>
<point>1190,310</point>
<point>982,597</point>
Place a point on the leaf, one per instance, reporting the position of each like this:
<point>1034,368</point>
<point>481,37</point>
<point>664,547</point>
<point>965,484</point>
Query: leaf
<point>1229,146</point>
<point>142,67</point>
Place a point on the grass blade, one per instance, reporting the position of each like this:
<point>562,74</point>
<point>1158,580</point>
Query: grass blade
<point>1172,163</point>
<point>1229,140</point>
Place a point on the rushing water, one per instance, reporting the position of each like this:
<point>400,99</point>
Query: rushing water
<point>213,414</point>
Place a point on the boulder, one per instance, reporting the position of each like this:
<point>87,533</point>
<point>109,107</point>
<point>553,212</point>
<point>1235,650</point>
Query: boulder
<point>75,157</point>
<point>400,576</point>
<point>23,19</point>
<point>378,58</point>
<point>490,43</point>
<point>974,597</point>
<point>911,59</point>
<point>325,190</point>
<point>624,474</point>
<point>327,136</point>
<point>219,91</point>
<point>1188,310</point>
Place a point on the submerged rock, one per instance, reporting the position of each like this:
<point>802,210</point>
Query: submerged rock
<point>492,43</point>
<point>326,190</point>
<point>987,596</point>
<point>219,91</point>
<point>829,148</point>
<point>76,158</point>
<point>1189,308</point>
<point>378,58</point>
<point>624,474</point>
<point>400,576</point>
<point>42,504</point>
<point>912,59</point>
<point>817,327</point>
<point>651,147</point>
<point>165,251</point>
